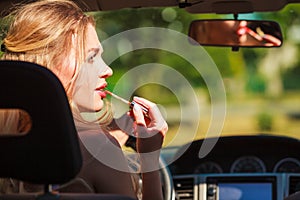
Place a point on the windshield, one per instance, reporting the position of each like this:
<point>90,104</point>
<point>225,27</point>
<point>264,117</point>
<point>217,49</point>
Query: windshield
<point>262,86</point>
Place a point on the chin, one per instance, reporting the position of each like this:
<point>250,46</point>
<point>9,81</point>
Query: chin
<point>98,105</point>
<point>97,109</point>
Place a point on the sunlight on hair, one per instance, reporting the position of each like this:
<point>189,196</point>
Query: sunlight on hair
<point>14,122</point>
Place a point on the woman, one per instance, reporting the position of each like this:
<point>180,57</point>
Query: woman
<point>58,35</point>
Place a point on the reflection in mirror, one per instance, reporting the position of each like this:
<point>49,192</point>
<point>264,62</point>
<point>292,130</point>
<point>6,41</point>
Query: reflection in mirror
<point>14,122</point>
<point>240,33</point>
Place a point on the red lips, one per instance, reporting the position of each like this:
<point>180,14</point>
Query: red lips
<point>100,90</point>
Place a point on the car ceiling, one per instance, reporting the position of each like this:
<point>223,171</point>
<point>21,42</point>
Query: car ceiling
<point>192,6</point>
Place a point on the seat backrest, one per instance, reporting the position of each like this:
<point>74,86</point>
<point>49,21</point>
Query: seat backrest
<point>49,153</point>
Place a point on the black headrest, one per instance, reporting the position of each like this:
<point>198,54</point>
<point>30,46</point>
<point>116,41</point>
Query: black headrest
<point>49,153</point>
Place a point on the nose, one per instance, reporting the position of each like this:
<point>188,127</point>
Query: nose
<point>106,73</point>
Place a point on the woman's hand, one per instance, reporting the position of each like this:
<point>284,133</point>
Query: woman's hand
<point>150,130</point>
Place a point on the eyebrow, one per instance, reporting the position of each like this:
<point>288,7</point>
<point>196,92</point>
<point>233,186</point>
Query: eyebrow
<point>96,50</point>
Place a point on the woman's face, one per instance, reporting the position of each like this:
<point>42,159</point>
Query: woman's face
<point>89,86</point>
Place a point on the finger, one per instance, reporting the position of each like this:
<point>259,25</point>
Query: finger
<point>138,115</point>
<point>153,111</point>
<point>157,122</point>
<point>143,102</point>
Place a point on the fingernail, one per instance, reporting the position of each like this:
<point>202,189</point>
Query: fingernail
<point>135,97</point>
<point>135,105</point>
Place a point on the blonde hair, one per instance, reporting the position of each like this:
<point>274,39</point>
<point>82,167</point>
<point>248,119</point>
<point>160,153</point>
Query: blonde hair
<point>21,121</point>
<point>42,32</point>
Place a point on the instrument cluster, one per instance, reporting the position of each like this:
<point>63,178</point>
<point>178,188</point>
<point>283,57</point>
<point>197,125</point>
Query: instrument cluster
<point>243,154</point>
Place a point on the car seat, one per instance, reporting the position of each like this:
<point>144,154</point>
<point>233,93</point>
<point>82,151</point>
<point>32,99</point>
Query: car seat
<point>49,153</point>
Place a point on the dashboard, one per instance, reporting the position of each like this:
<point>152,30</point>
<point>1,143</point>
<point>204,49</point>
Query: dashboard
<point>240,154</point>
<point>254,164</point>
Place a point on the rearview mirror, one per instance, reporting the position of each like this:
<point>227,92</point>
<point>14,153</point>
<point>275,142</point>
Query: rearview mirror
<point>236,33</point>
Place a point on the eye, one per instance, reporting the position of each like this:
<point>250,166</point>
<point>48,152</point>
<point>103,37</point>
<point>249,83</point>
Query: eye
<point>92,54</point>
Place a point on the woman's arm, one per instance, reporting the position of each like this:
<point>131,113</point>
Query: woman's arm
<point>150,132</point>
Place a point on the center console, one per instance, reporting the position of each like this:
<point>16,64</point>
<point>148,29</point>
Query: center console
<point>247,186</point>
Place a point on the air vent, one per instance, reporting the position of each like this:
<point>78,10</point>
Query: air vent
<point>294,184</point>
<point>184,188</point>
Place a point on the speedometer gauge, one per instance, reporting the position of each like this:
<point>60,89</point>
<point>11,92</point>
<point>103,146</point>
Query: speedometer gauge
<point>291,165</point>
<point>248,164</point>
<point>208,167</point>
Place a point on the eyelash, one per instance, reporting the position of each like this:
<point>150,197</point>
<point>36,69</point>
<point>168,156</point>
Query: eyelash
<point>90,58</point>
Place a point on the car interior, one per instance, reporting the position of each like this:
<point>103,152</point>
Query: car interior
<point>214,151</point>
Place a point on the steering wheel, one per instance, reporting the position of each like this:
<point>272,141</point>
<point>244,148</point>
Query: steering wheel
<point>166,177</point>
<point>167,181</point>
